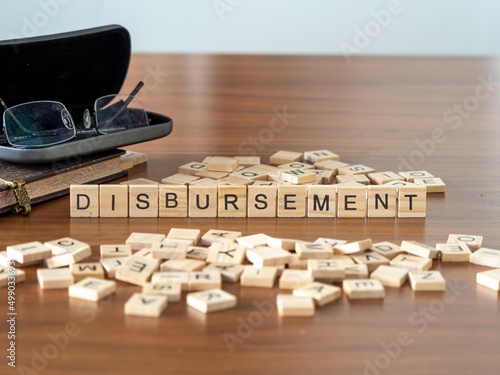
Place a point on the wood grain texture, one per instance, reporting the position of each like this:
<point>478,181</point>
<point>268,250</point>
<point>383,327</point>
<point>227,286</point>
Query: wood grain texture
<point>376,111</point>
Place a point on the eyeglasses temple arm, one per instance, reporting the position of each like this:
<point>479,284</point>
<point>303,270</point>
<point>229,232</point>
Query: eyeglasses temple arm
<point>2,103</point>
<point>133,93</point>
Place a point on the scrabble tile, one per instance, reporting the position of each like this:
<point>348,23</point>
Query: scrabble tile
<point>351,201</point>
<point>222,164</point>
<point>236,181</point>
<point>259,277</point>
<point>212,300</point>
<point>291,279</point>
<point>181,278</point>
<point>330,165</point>
<point>320,155</point>
<point>262,201</point>
<point>252,174</point>
<point>331,242</point>
<point>84,201</point>
<point>232,201</point>
<point>143,201</point>
<point>182,265</point>
<point>412,201</point>
<point>192,168</point>
<point>204,280</point>
<point>211,174</point>
<point>216,235</point>
<point>454,252</point>
<point>489,279</point>
<point>371,259</point>
<point>139,181</point>
<point>92,289</point>
<point>326,177</point>
<point>170,249</point>
<point>295,165</point>
<point>173,201</point>
<point>136,270</point>
<point>399,183</point>
<point>131,158</point>
<point>321,201</point>
<point>139,241</point>
<point>355,271</point>
<point>179,179</point>
<point>427,281</point>
<point>346,178</point>
<point>110,265</point>
<point>474,242</point>
<point>113,200</point>
<point>294,306</point>
<point>248,161</point>
<point>356,169</point>
<point>148,255</point>
<point>115,251</point>
<point>267,256</point>
<point>363,289</point>
<point>325,269</point>
<point>197,252</point>
<point>411,262</point>
<point>382,201</point>
<point>390,276</point>
<point>193,235</point>
<point>253,240</point>
<point>312,250</point>
<point>67,251</point>
<point>353,247</point>
<point>30,252</point>
<point>146,305</point>
<point>387,249</point>
<point>230,273</point>
<point>283,243</point>
<point>204,182</point>
<point>321,293</point>
<point>283,157</point>
<point>203,201</point>
<point>412,175</point>
<point>171,290</point>
<point>5,261</point>
<point>297,176</point>
<point>81,271</point>
<point>419,249</point>
<point>231,253</point>
<point>59,278</point>
<point>296,263</point>
<point>379,178</point>
<point>292,201</point>
<point>433,185</point>
<point>19,276</point>
<point>486,257</point>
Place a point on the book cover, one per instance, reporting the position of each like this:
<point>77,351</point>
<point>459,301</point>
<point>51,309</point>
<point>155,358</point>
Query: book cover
<point>48,181</point>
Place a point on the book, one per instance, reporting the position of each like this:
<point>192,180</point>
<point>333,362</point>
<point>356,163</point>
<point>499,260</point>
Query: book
<point>52,180</point>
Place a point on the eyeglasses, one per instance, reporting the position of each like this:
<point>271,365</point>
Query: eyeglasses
<point>46,123</point>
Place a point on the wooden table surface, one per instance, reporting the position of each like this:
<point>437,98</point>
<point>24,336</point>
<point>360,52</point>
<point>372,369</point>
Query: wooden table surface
<point>437,114</point>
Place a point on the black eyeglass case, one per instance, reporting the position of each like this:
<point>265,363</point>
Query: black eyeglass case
<point>75,69</point>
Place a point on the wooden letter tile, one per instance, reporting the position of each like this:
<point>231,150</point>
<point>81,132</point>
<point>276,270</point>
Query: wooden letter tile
<point>412,201</point>
<point>232,201</point>
<point>230,273</point>
<point>291,279</point>
<point>353,247</point>
<point>171,290</point>
<point>253,240</point>
<point>427,281</point>
<point>454,252</point>
<point>170,249</point>
<point>355,271</point>
<point>325,269</point>
<point>412,262</point>
<point>139,241</point>
<point>433,185</point>
<point>284,157</point>
<point>292,201</point>
<point>203,201</point>
<point>28,252</point>
<point>380,178</point>
<point>110,265</point>
<point>312,250</point>
<point>321,201</point>
<point>173,201</point>
<point>113,201</point>
<point>363,289</point>
<point>231,253</point>
<point>412,175</point>
<point>321,293</point>
<point>84,200</point>
<point>382,201</point>
<point>143,200</point>
<point>82,270</point>
<point>136,270</point>
<point>146,305</point>
<point>216,235</point>
<point>489,279</point>
<point>193,235</point>
<point>387,249</point>
<point>486,257</point>
<point>474,242</point>
<point>356,169</point>
<point>390,276</point>
<point>92,289</point>
<point>351,201</point>
<point>419,249</point>
<point>294,306</point>
<point>371,259</point>
<point>192,168</point>
<point>259,277</point>
<point>204,280</point>
<point>197,252</point>
<point>54,278</point>
<point>211,300</point>
<point>320,155</point>
<point>115,251</point>
<point>181,278</point>
<point>67,251</point>
<point>267,256</point>
<point>182,265</point>
<point>262,201</point>
<point>222,164</point>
